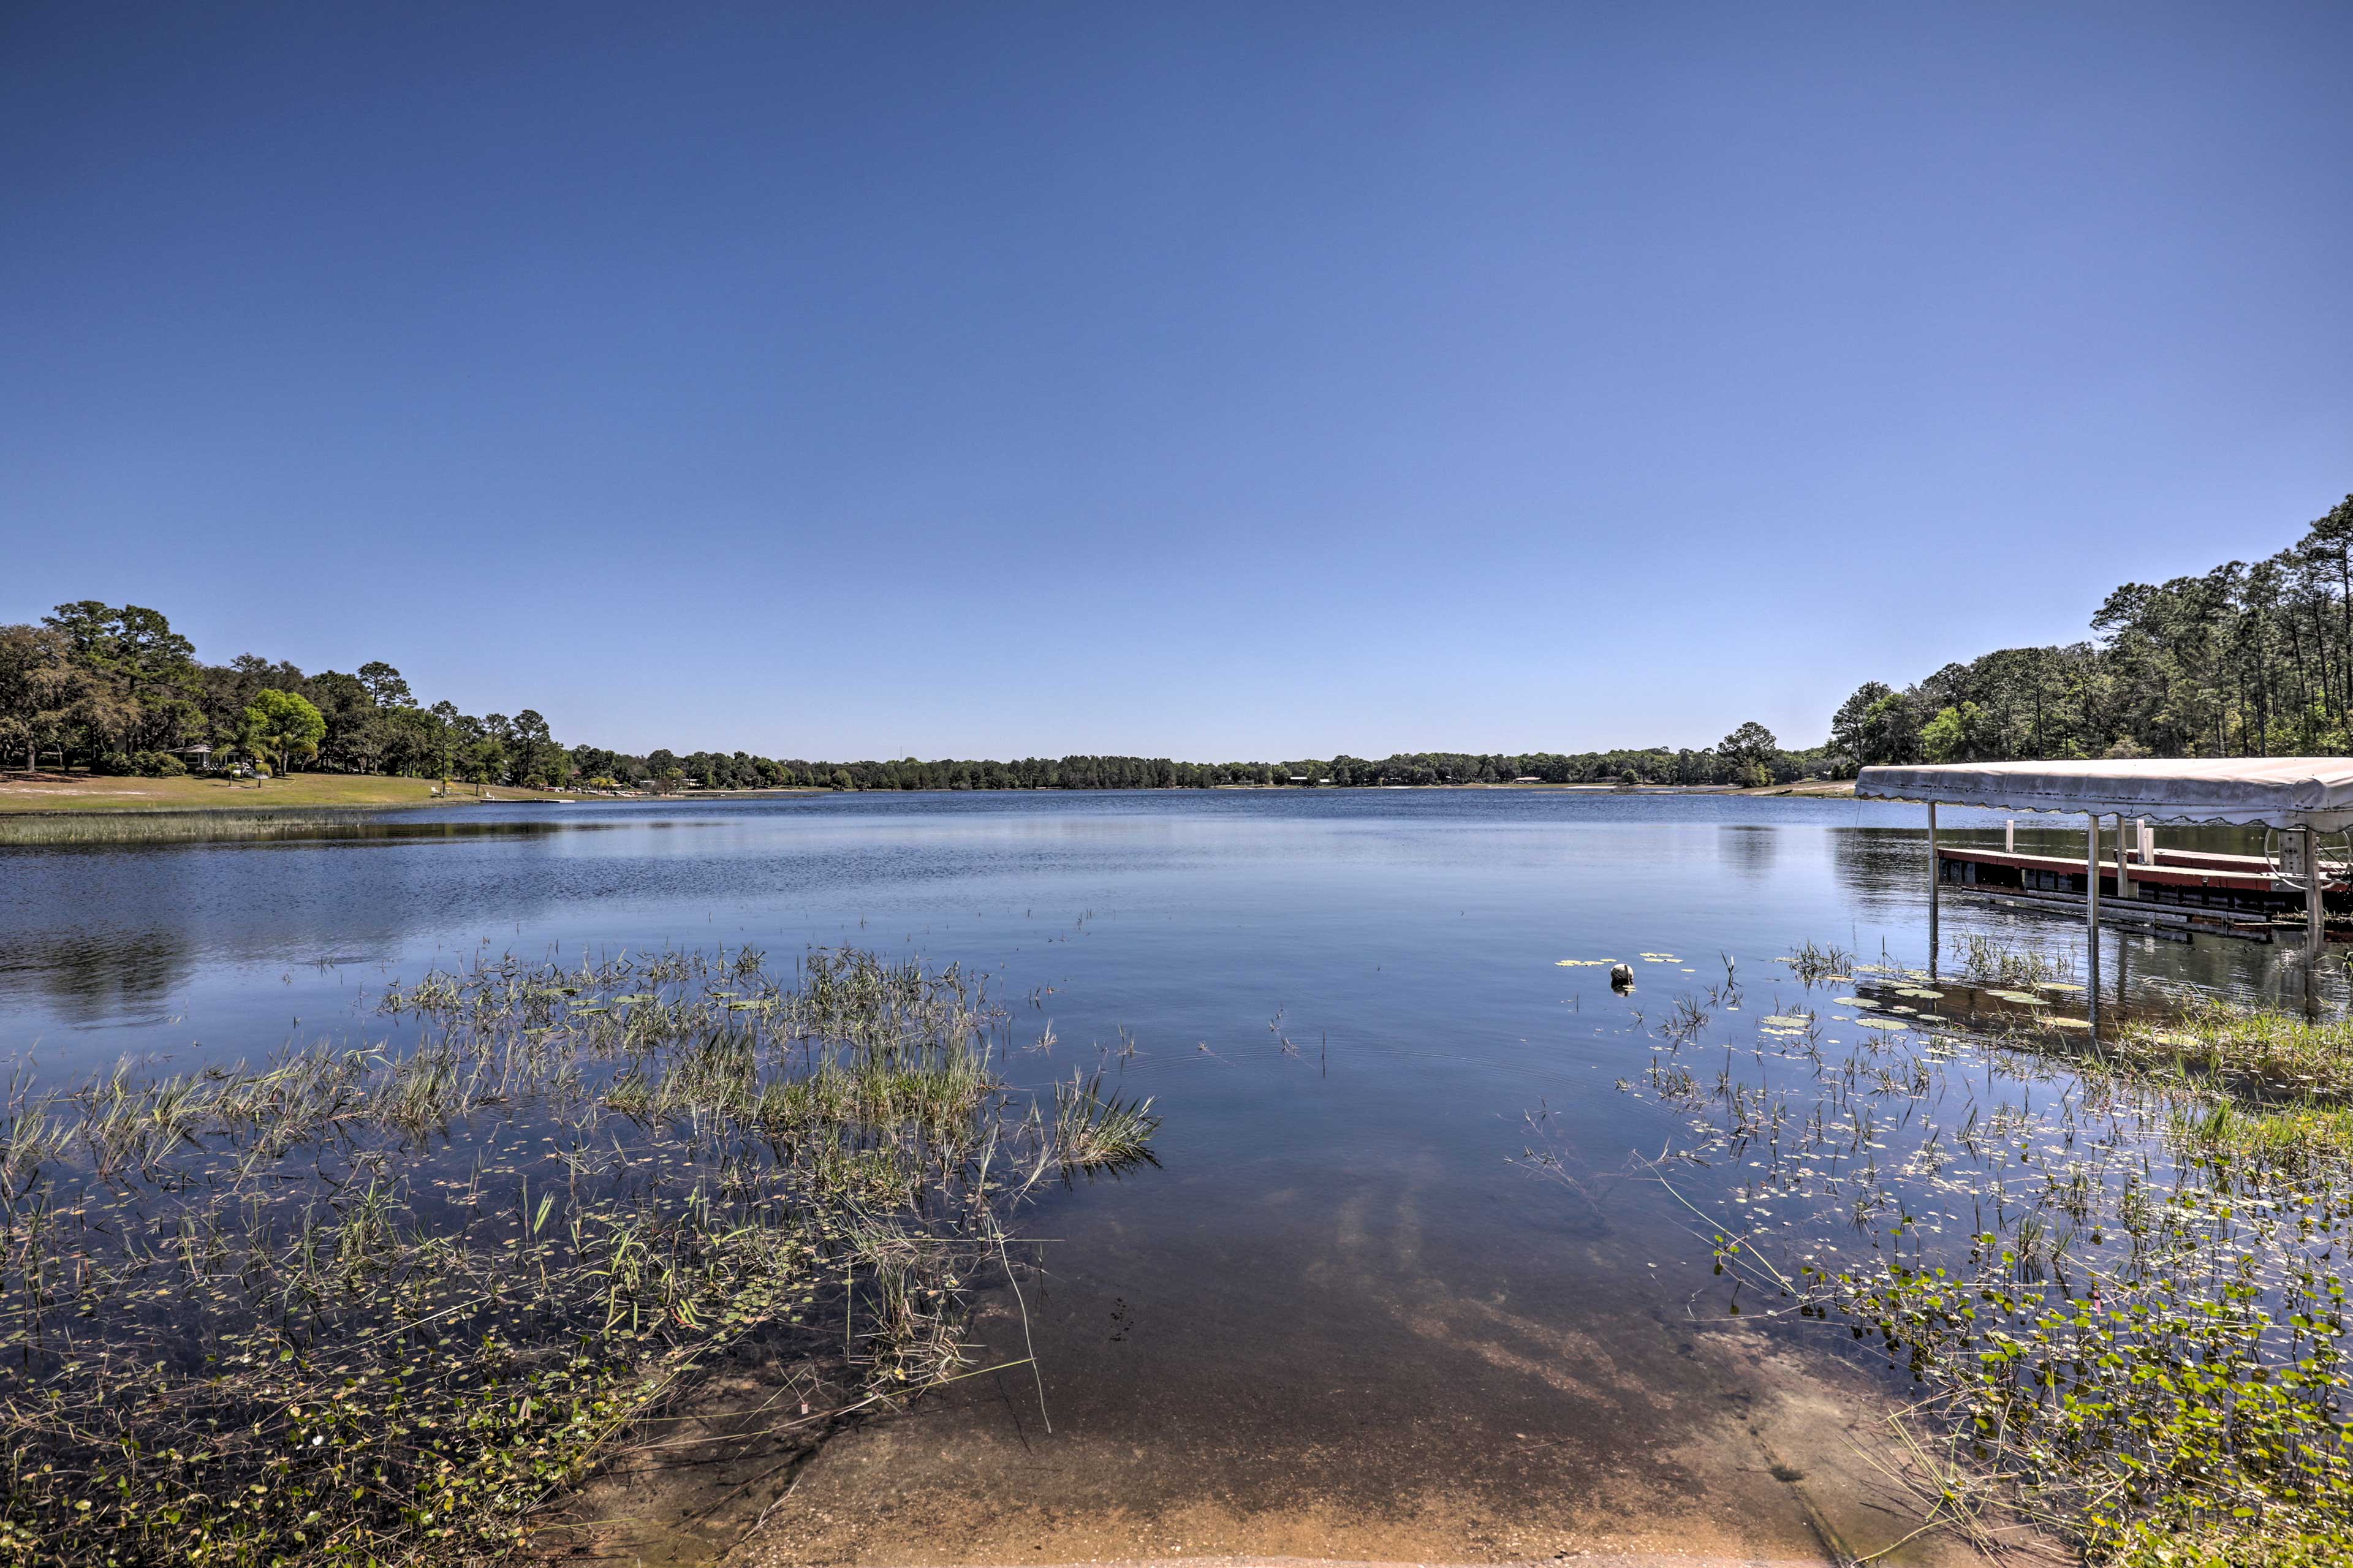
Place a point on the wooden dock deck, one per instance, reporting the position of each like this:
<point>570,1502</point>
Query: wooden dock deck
<point>2193,890</point>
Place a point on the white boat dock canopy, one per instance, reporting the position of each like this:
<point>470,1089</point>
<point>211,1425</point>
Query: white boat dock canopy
<point>2269,792</point>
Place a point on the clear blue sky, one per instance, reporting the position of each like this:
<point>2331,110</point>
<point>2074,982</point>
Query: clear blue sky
<point>1220,382</point>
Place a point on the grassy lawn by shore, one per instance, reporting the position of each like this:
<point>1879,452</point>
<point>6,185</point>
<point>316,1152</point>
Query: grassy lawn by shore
<point>1823,789</point>
<point>85,792</point>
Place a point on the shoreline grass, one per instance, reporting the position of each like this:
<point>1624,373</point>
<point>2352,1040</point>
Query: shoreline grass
<point>368,1305</point>
<point>37,829</point>
<point>2265,1053</point>
<point>2113,1279</point>
<point>92,793</point>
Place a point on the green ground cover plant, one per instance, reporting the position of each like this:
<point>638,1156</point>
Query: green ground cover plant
<point>2104,1277</point>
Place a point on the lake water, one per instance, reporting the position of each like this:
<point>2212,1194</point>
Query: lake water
<point>1344,1316</point>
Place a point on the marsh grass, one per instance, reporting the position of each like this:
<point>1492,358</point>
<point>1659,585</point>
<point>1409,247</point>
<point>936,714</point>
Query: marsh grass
<point>1813,964</point>
<point>2301,1137</point>
<point>2262,1052</point>
<point>1990,961</point>
<point>2114,1281</point>
<point>38,828</point>
<point>367,1307</point>
<point>1094,1130</point>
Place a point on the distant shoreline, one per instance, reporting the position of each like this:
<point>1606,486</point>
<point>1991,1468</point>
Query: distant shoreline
<point>69,795</point>
<point>65,795</point>
<point>1811,789</point>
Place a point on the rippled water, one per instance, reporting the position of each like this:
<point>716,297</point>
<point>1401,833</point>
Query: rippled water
<point>1339,1311</point>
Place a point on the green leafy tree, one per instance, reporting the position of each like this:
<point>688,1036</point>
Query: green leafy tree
<point>385,686</point>
<point>283,725</point>
<point>1941,738</point>
<point>40,684</point>
<point>142,681</point>
<point>1750,752</point>
<point>1850,729</point>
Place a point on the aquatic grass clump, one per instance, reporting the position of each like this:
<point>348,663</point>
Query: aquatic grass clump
<point>2261,1051</point>
<point>360,1306</point>
<point>2116,1281</point>
<point>1988,960</point>
<point>1094,1130</point>
<point>2304,1137</point>
<point>1814,963</point>
<point>1687,1019</point>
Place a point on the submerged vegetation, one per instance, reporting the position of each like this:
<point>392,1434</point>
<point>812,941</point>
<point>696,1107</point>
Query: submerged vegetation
<point>370,1306</point>
<point>2112,1272</point>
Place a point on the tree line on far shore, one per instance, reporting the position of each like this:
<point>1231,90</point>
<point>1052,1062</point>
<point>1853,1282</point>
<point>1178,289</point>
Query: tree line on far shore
<point>2245,660</point>
<point>115,689</point>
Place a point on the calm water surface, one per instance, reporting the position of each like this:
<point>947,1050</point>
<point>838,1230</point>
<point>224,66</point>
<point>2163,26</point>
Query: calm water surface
<point>1340,1295</point>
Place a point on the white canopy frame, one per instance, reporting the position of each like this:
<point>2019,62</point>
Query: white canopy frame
<point>2306,796</point>
<point>2257,791</point>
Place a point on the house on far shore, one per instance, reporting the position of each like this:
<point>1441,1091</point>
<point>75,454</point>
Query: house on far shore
<point>199,756</point>
<point>1527,778</point>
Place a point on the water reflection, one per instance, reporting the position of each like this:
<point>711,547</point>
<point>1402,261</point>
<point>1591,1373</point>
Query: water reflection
<point>1750,848</point>
<point>1883,872</point>
<point>85,980</point>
